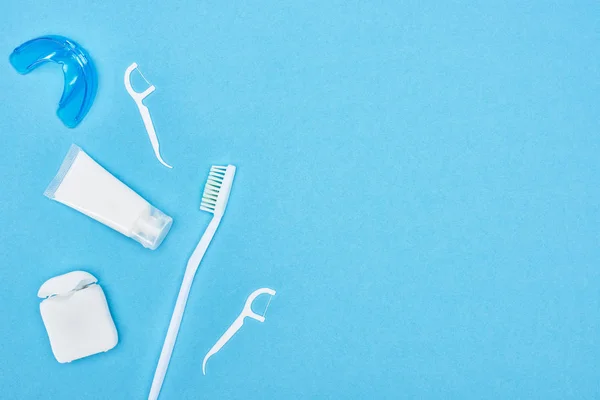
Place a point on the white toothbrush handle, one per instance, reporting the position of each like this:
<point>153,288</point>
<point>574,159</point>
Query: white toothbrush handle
<point>184,292</point>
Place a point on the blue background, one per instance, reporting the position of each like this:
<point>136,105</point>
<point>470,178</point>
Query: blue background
<point>418,182</point>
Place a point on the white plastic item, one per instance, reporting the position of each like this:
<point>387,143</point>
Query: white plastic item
<point>76,316</point>
<point>214,200</point>
<point>139,98</point>
<point>237,324</point>
<point>82,184</point>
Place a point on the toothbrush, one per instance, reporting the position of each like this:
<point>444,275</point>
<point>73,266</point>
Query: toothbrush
<point>214,200</point>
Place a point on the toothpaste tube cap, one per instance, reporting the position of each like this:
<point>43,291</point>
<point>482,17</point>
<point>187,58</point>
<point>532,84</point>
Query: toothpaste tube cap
<point>151,228</point>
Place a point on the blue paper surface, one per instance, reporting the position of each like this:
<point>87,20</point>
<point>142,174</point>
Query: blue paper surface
<point>419,183</point>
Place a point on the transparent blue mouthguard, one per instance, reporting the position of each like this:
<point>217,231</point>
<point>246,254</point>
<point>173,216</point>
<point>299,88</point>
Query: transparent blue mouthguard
<point>81,79</point>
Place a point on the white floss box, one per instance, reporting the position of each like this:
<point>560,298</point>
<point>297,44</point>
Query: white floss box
<point>76,316</point>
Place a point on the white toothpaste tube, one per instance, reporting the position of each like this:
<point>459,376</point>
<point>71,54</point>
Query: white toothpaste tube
<point>82,184</point>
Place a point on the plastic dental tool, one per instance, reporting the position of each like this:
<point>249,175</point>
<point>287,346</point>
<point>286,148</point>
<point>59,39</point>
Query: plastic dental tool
<point>76,316</point>
<point>139,98</point>
<point>81,79</point>
<point>214,200</point>
<point>237,324</point>
<point>82,184</point>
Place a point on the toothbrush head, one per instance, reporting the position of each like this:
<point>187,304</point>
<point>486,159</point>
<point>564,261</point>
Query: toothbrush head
<point>217,189</point>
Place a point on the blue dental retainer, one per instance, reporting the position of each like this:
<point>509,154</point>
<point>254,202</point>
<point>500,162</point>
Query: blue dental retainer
<point>81,79</point>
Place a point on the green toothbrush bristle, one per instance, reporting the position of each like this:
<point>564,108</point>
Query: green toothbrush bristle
<point>212,188</point>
